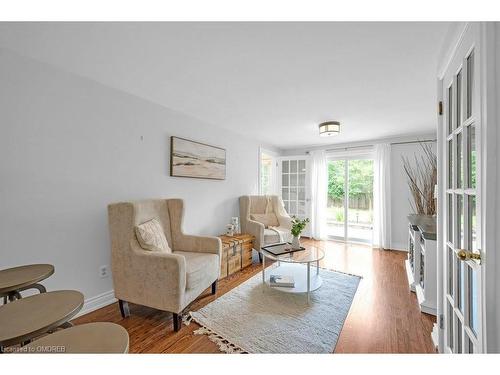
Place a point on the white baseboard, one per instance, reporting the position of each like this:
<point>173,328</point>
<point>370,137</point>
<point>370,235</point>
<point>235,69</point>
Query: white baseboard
<point>96,302</point>
<point>399,246</point>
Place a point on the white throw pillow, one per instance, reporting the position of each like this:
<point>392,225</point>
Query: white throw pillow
<point>151,236</point>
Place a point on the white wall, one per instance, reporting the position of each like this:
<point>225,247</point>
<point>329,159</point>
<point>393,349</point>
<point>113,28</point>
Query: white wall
<point>400,206</point>
<point>69,146</point>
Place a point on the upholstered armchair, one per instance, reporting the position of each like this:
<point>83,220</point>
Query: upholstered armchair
<point>165,281</point>
<point>264,217</point>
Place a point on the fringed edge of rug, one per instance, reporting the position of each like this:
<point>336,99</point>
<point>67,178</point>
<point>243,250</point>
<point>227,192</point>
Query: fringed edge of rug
<point>223,344</point>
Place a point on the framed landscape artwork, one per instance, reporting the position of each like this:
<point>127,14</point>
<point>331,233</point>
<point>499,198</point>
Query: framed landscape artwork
<point>196,160</point>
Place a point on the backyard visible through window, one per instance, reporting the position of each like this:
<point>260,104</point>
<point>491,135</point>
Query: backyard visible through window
<point>350,195</point>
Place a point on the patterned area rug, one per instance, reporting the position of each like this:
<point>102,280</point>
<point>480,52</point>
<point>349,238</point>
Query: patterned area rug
<point>254,318</point>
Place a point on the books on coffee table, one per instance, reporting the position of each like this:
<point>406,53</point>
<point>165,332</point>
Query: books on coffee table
<point>283,281</point>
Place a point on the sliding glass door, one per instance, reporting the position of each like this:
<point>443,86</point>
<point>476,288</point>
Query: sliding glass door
<point>350,199</point>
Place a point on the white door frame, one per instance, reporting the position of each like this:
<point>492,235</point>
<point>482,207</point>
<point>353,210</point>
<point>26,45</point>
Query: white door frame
<point>484,37</point>
<point>274,173</point>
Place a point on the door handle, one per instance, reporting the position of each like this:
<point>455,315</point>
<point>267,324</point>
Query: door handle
<point>465,255</point>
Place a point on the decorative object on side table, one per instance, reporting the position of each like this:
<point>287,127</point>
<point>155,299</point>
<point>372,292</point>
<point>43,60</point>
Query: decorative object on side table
<point>235,220</point>
<point>229,230</point>
<point>298,226</point>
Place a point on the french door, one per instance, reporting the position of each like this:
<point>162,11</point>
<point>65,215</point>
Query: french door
<point>293,184</point>
<point>462,281</point>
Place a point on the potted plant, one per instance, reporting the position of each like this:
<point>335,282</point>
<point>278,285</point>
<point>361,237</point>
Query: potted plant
<point>297,228</point>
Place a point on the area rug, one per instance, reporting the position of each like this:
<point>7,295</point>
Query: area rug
<point>254,318</point>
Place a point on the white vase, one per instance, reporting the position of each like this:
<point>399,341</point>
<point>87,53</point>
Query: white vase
<point>296,242</point>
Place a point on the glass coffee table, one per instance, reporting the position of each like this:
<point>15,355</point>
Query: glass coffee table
<point>296,264</point>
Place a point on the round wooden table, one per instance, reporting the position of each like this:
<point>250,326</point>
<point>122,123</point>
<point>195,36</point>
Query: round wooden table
<point>93,338</point>
<point>27,318</point>
<point>14,280</point>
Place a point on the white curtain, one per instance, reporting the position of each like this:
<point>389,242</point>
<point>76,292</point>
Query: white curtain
<point>319,190</point>
<point>382,196</point>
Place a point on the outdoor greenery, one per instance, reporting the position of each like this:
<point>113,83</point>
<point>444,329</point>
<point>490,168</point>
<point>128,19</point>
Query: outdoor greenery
<point>360,178</point>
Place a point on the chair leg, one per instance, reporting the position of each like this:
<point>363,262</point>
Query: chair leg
<point>214,287</point>
<point>124,310</point>
<point>260,257</point>
<point>177,322</point>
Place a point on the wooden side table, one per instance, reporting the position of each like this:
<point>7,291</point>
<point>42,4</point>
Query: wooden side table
<point>236,253</point>
<point>96,338</point>
<point>27,318</point>
<point>15,280</point>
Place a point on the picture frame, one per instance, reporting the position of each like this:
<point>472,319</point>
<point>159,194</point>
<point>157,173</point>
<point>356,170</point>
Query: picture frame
<point>194,159</point>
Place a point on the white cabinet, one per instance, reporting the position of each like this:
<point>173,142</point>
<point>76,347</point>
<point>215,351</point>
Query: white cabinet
<point>412,264</point>
<point>421,265</point>
<point>426,288</point>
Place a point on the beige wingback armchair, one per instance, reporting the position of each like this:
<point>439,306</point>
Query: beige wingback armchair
<point>264,216</point>
<point>165,281</point>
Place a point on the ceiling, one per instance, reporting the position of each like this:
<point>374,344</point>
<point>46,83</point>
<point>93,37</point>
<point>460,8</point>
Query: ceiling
<point>274,82</point>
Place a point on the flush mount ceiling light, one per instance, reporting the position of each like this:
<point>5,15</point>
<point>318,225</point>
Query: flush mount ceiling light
<point>329,128</point>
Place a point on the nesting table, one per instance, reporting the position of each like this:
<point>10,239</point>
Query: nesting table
<point>27,318</point>
<point>15,280</point>
<point>99,337</point>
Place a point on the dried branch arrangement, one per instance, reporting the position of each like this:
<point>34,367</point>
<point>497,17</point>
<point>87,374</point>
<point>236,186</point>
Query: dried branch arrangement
<point>422,177</point>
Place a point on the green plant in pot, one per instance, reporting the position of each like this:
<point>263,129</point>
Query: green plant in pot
<point>298,226</point>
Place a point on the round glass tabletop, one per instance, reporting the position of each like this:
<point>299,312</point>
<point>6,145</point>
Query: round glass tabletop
<point>310,254</point>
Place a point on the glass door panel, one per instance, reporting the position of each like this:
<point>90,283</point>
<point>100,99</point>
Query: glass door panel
<point>360,202</point>
<point>294,187</point>
<point>350,199</point>
<point>335,218</point>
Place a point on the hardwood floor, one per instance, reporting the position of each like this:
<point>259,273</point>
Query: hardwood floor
<point>384,316</point>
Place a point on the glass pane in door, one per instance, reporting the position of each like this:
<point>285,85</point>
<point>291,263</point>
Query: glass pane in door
<point>470,83</point>
<point>473,300</point>
<point>360,202</point>
<point>449,113</point>
<point>460,222</point>
<point>460,285</point>
<point>459,336</point>
<point>450,326</point>
<point>472,245</point>
<point>450,217</point>
<point>459,100</point>
<point>335,202</point>
<point>471,155</point>
<point>460,174</point>
<point>449,283</point>
<point>450,164</point>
